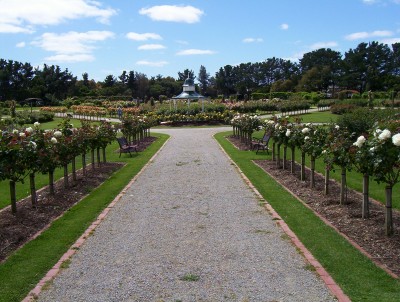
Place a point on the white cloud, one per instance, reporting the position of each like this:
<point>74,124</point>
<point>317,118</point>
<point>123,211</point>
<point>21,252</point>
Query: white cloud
<point>284,26</point>
<point>18,16</point>
<point>14,29</point>
<point>152,63</point>
<point>252,40</point>
<point>390,41</point>
<point>189,52</point>
<point>143,37</point>
<point>319,45</point>
<point>72,46</point>
<point>71,58</point>
<point>366,35</point>
<point>20,44</point>
<point>173,13</point>
<point>151,47</point>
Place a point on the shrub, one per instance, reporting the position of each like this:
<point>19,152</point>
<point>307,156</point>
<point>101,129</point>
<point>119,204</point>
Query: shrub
<point>26,117</point>
<point>342,108</point>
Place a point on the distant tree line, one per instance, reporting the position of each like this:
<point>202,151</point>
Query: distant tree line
<point>370,66</point>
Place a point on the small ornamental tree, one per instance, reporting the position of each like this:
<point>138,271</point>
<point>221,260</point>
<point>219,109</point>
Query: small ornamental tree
<point>302,140</point>
<point>83,135</point>
<point>48,157</point>
<point>363,162</point>
<point>279,137</point>
<point>244,125</point>
<point>337,152</point>
<point>13,162</point>
<point>295,139</point>
<point>386,152</point>
<point>105,135</point>
<point>65,146</point>
<point>33,158</point>
<point>313,146</point>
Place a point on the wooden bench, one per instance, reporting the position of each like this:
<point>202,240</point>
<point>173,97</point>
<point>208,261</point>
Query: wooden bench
<point>261,144</point>
<point>125,147</point>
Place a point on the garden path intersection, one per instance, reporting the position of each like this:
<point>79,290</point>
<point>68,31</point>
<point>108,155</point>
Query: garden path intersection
<point>188,228</point>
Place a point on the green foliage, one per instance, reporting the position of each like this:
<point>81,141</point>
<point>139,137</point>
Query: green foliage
<point>342,108</point>
<point>27,117</point>
<point>361,120</point>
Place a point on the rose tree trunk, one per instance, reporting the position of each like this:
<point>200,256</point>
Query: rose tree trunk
<point>303,167</point>
<point>388,211</point>
<point>365,202</point>
<point>343,187</point>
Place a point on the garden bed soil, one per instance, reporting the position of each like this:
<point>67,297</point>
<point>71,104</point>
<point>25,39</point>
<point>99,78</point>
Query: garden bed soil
<point>16,230</point>
<point>368,233</point>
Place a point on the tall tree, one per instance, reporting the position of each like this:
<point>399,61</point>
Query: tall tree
<point>182,76</point>
<point>324,66</point>
<point>204,79</point>
<point>109,81</point>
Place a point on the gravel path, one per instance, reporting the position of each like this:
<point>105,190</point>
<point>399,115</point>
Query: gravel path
<point>189,229</point>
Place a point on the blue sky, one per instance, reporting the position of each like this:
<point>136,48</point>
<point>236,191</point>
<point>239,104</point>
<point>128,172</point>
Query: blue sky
<point>105,37</point>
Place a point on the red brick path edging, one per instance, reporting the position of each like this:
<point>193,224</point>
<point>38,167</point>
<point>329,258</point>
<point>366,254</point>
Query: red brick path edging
<point>72,250</point>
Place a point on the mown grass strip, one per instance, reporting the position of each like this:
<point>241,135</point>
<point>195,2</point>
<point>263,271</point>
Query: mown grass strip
<point>357,275</point>
<point>25,268</point>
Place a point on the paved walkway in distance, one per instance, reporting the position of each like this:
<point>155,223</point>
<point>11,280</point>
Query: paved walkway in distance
<point>188,229</point>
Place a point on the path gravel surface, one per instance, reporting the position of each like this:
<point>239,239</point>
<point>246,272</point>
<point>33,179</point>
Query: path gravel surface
<point>189,229</point>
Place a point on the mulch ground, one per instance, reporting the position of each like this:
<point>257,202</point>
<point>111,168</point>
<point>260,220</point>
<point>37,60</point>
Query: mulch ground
<point>16,230</point>
<point>367,233</point>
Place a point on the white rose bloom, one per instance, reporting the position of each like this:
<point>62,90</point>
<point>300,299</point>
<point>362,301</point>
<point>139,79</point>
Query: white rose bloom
<point>22,134</point>
<point>323,151</point>
<point>53,140</point>
<point>337,127</point>
<point>305,130</point>
<point>396,139</point>
<point>29,130</point>
<point>271,122</point>
<point>306,138</point>
<point>57,134</point>
<point>384,135</point>
<point>288,132</point>
<point>15,131</point>
<point>360,141</point>
<point>36,124</point>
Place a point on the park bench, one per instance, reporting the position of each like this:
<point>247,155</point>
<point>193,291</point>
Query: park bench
<point>125,147</point>
<point>262,143</point>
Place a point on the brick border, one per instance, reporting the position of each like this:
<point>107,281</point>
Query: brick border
<point>324,275</point>
<point>52,273</point>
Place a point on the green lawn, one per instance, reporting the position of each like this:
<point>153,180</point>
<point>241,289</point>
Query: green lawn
<point>319,117</point>
<point>23,269</point>
<point>359,278</point>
